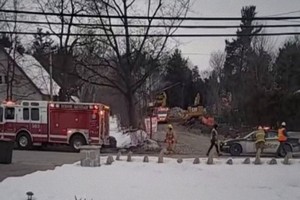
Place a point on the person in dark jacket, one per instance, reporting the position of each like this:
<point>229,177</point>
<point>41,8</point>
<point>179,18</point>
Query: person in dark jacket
<point>214,140</point>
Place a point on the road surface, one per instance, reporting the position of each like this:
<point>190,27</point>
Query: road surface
<point>26,162</point>
<point>187,143</point>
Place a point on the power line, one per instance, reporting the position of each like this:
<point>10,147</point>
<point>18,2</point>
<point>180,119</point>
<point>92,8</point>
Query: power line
<point>154,26</point>
<point>155,35</point>
<point>198,54</point>
<point>284,13</point>
<point>145,17</point>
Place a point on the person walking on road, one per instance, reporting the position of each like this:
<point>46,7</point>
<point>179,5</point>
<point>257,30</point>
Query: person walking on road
<point>214,140</point>
<point>170,139</point>
<point>260,140</point>
<point>282,138</point>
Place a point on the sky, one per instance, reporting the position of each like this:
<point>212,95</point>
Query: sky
<point>198,50</point>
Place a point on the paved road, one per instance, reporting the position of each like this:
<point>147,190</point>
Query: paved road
<point>188,143</point>
<point>25,162</point>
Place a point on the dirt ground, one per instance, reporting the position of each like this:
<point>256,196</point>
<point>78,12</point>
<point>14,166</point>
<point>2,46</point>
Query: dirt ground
<point>189,143</point>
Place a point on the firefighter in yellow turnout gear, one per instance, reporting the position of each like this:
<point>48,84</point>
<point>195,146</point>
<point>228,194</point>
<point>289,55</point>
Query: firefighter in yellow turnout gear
<point>260,141</point>
<point>170,139</point>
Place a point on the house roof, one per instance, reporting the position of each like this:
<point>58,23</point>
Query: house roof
<point>35,72</point>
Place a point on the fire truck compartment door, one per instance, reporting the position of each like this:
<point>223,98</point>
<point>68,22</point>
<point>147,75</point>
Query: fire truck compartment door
<point>1,122</point>
<point>55,123</point>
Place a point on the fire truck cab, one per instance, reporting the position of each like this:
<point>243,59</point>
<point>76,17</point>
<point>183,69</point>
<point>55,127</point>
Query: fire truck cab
<point>36,123</point>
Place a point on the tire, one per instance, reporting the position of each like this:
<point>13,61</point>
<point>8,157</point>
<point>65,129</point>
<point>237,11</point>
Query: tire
<point>112,142</point>
<point>77,141</point>
<point>235,150</point>
<point>24,141</point>
<point>287,147</point>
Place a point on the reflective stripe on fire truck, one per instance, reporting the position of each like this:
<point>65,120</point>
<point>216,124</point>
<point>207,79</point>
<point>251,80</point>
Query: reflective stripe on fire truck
<point>39,135</point>
<point>32,135</point>
<point>9,134</point>
<point>59,136</point>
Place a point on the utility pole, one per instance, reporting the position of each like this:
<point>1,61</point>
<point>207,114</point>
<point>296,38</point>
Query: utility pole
<point>51,79</point>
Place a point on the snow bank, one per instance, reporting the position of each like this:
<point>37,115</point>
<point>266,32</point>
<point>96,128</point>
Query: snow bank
<point>123,140</point>
<point>126,139</point>
<point>170,180</point>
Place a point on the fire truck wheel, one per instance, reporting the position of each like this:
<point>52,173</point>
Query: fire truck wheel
<point>24,141</point>
<point>77,141</point>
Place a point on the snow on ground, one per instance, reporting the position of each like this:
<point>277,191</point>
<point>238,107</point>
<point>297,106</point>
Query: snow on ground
<point>170,180</point>
<point>125,140</point>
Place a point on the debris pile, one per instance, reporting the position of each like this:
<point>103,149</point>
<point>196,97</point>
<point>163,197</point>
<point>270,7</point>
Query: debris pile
<point>176,113</point>
<point>131,138</point>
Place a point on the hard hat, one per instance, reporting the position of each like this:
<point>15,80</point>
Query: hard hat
<point>260,128</point>
<point>283,124</point>
<point>170,126</point>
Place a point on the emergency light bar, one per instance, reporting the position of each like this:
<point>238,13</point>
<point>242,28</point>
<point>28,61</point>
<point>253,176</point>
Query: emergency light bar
<point>74,106</point>
<point>8,102</point>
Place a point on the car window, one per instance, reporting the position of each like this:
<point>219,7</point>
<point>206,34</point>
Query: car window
<point>271,135</point>
<point>293,134</point>
<point>251,135</point>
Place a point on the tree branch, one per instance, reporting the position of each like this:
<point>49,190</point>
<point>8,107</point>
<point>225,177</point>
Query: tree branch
<point>106,78</point>
<point>47,19</point>
<point>148,28</point>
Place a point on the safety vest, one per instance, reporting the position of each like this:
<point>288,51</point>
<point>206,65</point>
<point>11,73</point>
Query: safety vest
<point>281,136</point>
<point>170,135</point>
<point>260,136</point>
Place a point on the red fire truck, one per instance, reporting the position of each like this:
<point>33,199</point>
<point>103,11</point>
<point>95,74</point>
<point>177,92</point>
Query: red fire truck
<point>162,114</point>
<point>36,123</point>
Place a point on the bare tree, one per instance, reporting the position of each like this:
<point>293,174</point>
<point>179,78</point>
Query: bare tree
<point>12,46</point>
<point>217,60</point>
<point>129,61</point>
<point>2,4</point>
<point>63,57</point>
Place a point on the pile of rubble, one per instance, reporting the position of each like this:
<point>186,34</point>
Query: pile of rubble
<point>176,113</point>
<point>132,138</point>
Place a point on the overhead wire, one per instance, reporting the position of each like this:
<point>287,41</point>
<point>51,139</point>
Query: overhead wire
<point>145,17</point>
<point>154,25</point>
<point>152,35</point>
<point>104,26</point>
<point>283,13</point>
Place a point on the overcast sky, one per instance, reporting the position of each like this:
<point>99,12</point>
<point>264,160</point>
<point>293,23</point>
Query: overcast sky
<point>198,49</point>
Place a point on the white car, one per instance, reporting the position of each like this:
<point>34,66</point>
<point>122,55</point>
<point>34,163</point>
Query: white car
<point>246,145</point>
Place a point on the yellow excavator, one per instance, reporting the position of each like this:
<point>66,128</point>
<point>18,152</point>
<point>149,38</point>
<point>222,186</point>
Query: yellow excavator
<point>161,100</point>
<point>197,112</point>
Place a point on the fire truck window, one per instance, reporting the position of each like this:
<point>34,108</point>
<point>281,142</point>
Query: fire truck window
<point>9,113</point>
<point>25,104</point>
<point>1,114</point>
<point>35,104</point>
<point>35,114</point>
<point>25,113</point>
